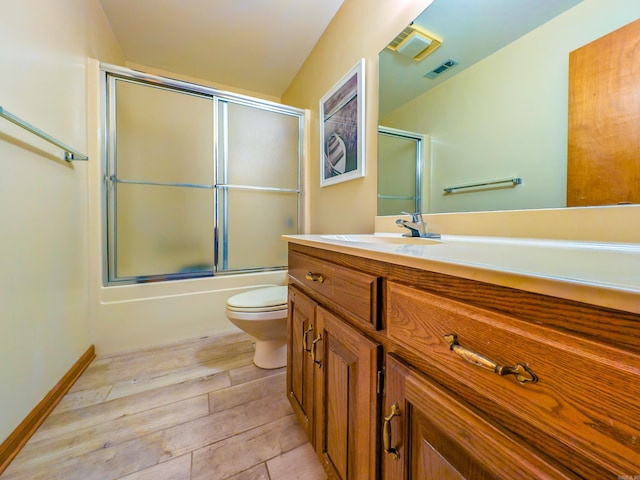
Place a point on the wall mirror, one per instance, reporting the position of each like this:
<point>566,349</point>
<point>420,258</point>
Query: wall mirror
<point>491,101</point>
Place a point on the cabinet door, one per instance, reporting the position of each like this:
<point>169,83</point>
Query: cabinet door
<point>300,381</point>
<point>429,435</point>
<point>346,413</point>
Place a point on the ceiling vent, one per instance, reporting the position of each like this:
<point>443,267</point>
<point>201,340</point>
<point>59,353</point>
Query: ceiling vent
<point>414,43</point>
<point>436,72</point>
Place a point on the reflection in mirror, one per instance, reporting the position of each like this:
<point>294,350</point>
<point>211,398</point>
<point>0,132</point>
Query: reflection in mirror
<point>399,171</point>
<point>501,111</point>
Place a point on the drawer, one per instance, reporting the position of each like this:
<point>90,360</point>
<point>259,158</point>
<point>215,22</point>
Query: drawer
<point>353,292</point>
<point>584,395</point>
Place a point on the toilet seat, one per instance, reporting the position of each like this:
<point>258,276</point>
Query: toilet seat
<point>262,313</point>
<point>268,299</point>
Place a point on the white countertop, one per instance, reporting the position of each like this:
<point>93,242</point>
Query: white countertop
<point>605,274</point>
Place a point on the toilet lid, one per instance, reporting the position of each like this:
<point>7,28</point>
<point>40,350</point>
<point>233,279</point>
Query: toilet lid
<point>260,298</point>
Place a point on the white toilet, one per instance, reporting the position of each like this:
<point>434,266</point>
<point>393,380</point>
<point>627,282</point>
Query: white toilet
<point>262,313</point>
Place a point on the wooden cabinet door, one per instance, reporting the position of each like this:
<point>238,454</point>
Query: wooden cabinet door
<point>604,111</point>
<point>346,413</point>
<point>429,435</point>
<point>300,374</point>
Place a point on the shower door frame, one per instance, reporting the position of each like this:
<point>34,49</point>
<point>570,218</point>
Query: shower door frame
<point>220,99</point>
<point>419,140</point>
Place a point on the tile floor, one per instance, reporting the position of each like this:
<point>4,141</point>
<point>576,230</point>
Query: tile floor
<point>197,410</point>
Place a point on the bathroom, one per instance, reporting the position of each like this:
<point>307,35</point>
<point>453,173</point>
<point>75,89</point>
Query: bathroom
<point>53,304</point>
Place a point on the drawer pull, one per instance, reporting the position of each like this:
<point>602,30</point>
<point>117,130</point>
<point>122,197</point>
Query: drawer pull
<point>314,277</point>
<point>521,371</point>
<point>304,338</point>
<point>313,350</point>
<point>386,432</point>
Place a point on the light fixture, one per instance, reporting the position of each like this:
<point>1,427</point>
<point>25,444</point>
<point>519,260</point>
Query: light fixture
<point>414,43</point>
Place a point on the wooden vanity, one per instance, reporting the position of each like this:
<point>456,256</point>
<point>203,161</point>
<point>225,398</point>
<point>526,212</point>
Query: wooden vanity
<point>399,372</point>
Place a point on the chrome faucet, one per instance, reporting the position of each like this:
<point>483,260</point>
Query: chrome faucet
<point>417,226</point>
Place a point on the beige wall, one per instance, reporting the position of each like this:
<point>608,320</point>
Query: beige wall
<point>507,115</point>
<point>360,29</point>
<point>44,287</point>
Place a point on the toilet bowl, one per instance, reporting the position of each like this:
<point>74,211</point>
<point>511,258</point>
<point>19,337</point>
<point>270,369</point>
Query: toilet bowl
<point>262,313</point>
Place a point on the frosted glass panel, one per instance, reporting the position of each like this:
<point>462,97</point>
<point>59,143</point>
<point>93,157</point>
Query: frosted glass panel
<point>396,166</point>
<point>163,230</point>
<point>256,222</point>
<point>262,148</point>
<point>163,136</point>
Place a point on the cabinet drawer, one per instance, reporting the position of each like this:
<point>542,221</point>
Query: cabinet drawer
<point>356,293</point>
<point>586,396</point>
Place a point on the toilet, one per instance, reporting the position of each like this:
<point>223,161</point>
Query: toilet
<point>262,313</point>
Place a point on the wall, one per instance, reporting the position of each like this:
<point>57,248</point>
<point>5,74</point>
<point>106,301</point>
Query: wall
<point>360,29</point>
<point>44,292</point>
<point>507,115</point>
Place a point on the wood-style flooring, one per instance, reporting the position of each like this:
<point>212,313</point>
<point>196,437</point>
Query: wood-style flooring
<point>197,410</point>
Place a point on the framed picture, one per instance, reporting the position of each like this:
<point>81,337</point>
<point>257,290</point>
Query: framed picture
<point>342,129</point>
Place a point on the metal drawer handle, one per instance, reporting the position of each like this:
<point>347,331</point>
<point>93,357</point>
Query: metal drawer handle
<point>304,338</point>
<point>520,370</point>
<point>313,350</point>
<point>314,277</point>
<point>386,432</point>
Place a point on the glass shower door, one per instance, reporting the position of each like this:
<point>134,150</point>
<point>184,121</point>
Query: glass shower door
<point>199,182</point>
<point>258,185</point>
<point>161,183</point>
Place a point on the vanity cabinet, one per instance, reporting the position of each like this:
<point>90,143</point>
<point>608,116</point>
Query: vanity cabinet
<point>453,378</point>
<point>333,369</point>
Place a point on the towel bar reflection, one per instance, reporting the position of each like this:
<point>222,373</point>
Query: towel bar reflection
<point>69,153</point>
<point>515,181</point>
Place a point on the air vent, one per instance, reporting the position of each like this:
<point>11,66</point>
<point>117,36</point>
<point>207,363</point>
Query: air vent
<point>436,72</point>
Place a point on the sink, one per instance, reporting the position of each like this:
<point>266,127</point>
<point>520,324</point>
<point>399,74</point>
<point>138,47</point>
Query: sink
<point>381,239</point>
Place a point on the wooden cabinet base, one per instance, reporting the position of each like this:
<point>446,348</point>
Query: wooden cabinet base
<point>480,381</point>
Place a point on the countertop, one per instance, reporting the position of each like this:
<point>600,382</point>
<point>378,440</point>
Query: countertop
<point>599,273</point>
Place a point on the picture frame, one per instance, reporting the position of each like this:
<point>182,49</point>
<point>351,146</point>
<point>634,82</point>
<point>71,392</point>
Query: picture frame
<point>342,138</point>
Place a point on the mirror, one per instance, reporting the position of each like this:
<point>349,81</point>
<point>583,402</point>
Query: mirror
<point>399,171</point>
<point>498,110</point>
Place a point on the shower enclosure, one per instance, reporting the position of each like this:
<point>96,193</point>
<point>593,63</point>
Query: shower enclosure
<point>399,171</point>
<point>198,182</point>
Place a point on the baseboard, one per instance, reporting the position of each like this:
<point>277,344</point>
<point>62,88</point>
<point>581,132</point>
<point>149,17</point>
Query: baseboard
<point>23,432</point>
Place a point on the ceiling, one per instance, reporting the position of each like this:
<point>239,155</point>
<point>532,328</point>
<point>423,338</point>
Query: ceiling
<point>253,45</point>
<point>259,45</point>
<point>470,30</point>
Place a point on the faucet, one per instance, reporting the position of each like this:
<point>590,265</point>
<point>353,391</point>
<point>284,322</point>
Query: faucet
<point>417,226</point>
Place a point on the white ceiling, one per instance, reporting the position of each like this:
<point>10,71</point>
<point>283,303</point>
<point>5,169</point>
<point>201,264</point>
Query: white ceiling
<point>254,45</point>
<point>470,31</point>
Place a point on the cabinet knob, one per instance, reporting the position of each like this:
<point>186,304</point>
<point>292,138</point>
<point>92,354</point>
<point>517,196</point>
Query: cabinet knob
<point>314,277</point>
<point>520,370</point>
